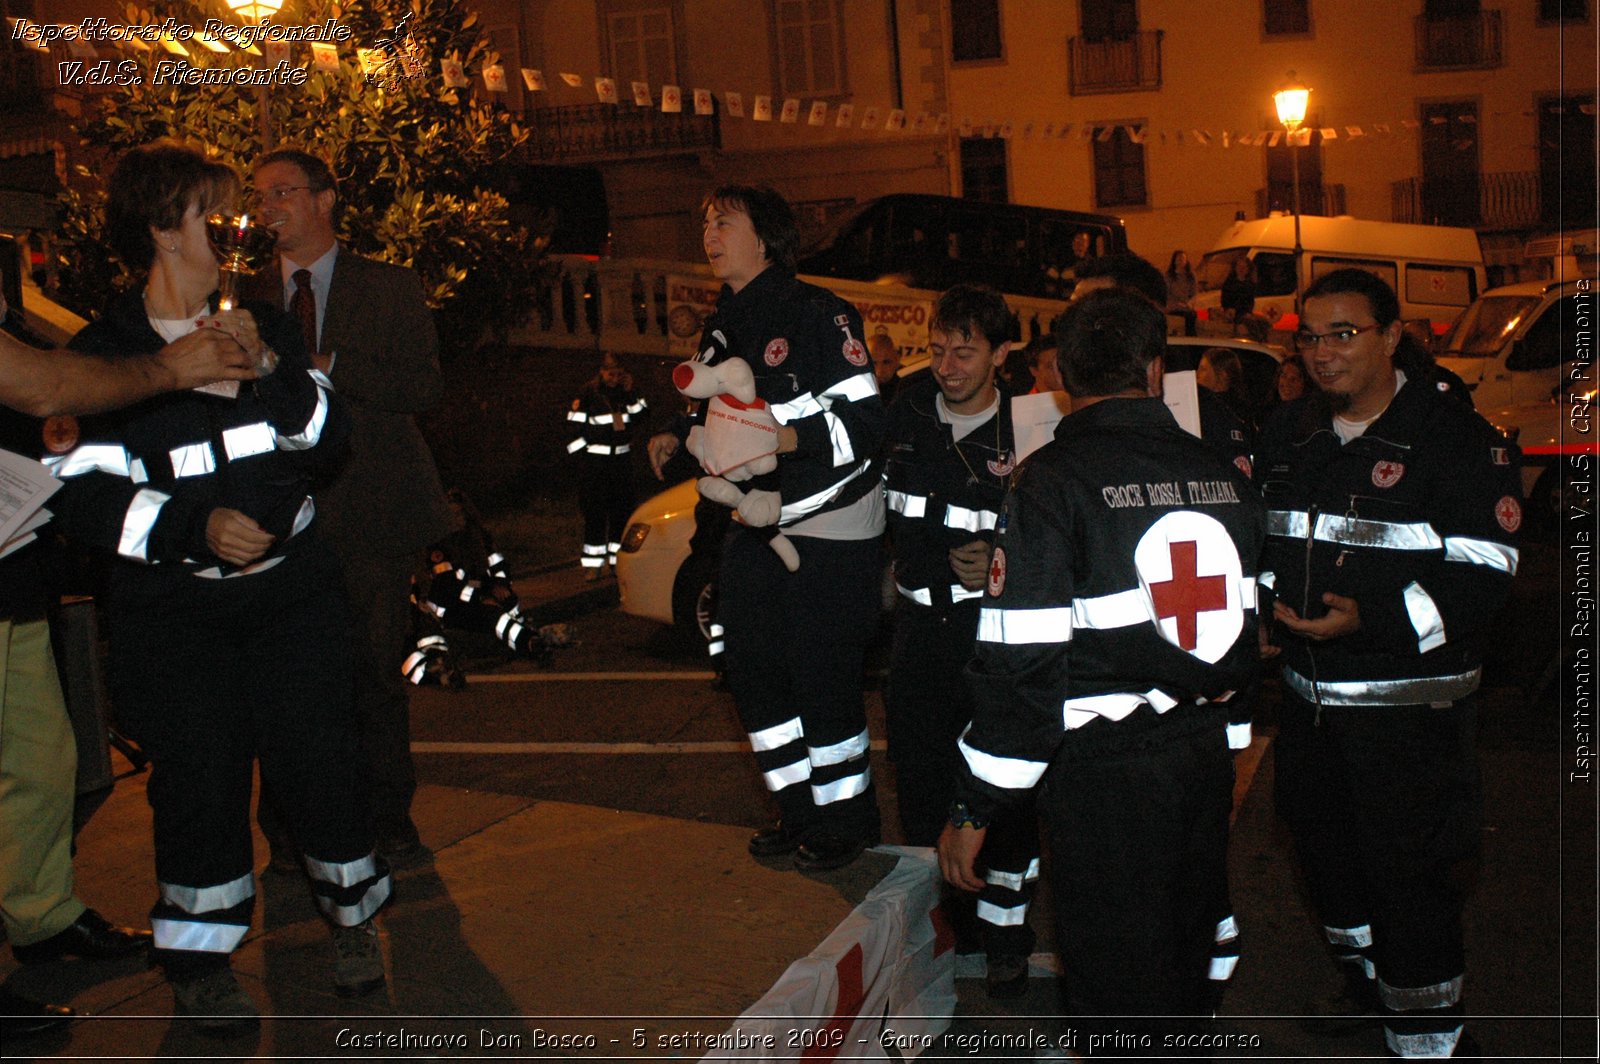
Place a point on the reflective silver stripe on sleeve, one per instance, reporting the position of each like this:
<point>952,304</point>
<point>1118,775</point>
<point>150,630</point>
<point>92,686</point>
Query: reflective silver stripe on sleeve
<point>307,437</point>
<point>351,915</point>
<point>1392,535</point>
<point>603,448</point>
<point>208,899</point>
<point>1425,1044</point>
<point>242,441</point>
<point>840,790</point>
<point>89,458</point>
<point>1423,690</point>
<point>1076,712</point>
<point>192,460</point>
<point>788,775</point>
<point>1268,581</point>
<point>838,752</point>
<point>1425,617</point>
<point>961,594</point>
<point>579,416</point>
<point>792,511</point>
<point>343,873</point>
<point>1481,552</point>
<point>1354,937</point>
<point>1010,772</point>
<point>1002,916</point>
<point>143,510</point>
<point>844,451</point>
<point>575,446</point>
<point>851,389</point>
<point>1013,880</point>
<point>197,936</point>
<point>909,505</point>
<point>136,472</point>
<point>1239,736</point>
<point>921,596</point>
<point>777,735</point>
<point>1049,624</point>
<point>969,520</point>
<point>796,408</point>
<point>637,406</point>
<point>1292,523</point>
<point>1410,998</point>
<point>1117,610</point>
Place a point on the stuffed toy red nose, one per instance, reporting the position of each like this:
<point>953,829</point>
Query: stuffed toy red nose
<point>682,376</point>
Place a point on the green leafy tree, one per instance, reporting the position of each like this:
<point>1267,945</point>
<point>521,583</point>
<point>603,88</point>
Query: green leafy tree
<point>418,162</point>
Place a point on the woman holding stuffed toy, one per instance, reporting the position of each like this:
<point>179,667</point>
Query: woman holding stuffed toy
<point>795,639</point>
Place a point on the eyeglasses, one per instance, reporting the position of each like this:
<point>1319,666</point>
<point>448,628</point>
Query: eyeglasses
<point>279,193</point>
<point>1338,338</point>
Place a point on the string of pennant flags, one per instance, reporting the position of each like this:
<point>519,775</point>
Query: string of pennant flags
<point>672,99</point>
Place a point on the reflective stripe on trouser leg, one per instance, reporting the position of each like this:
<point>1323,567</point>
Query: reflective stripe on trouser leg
<point>1352,946</point>
<point>211,919</point>
<point>611,551</point>
<point>1422,1021</point>
<point>594,555</point>
<point>349,892</point>
<point>839,771</point>
<point>1011,856</point>
<point>781,755</point>
<point>1224,950</point>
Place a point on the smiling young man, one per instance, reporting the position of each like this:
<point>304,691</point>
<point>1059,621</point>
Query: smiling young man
<point>1393,512</point>
<point>367,326</point>
<point>948,457</point>
<point>795,641</point>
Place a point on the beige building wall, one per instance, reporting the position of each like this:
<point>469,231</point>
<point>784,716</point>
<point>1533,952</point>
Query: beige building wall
<point>1219,70</point>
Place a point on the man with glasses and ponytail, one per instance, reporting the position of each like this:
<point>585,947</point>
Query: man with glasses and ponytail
<point>1392,519</point>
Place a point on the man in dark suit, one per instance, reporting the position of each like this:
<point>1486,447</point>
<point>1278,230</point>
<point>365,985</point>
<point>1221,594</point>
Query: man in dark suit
<point>369,329</point>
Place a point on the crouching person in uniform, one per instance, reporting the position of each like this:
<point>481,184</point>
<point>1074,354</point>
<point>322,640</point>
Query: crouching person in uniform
<point>229,635</point>
<point>1118,620</point>
<point>1393,513</point>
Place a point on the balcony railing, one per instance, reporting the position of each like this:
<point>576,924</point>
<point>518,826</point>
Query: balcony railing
<point>597,131</point>
<point>1281,198</point>
<point>1499,201</point>
<point>1472,42</point>
<point>1128,64</point>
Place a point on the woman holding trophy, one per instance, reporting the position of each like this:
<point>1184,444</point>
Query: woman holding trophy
<point>228,634</point>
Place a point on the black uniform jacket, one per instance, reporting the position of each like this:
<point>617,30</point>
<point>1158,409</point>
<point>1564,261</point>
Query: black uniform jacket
<point>804,344</point>
<point>1124,577</point>
<point>1415,519</point>
<point>594,415</point>
<point>141,483</point>
<point>941,493</point>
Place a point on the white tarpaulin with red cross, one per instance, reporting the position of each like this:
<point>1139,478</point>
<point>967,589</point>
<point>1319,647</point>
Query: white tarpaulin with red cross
<point>890,964</point>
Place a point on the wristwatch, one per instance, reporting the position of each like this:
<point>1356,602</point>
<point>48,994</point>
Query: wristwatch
<point>962,816</point>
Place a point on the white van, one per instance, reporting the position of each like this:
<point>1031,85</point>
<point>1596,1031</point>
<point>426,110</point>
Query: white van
<point>1435,270</point>
<point>1510,345</point>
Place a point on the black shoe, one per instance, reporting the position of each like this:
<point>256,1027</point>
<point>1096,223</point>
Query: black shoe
<point>1352,1008</point>
<point>90,936</point>
<point>1007,977</point>
<point>823,850</point>
<point>404,853</point>
<point>20,1015</point>
<point>776,841</point>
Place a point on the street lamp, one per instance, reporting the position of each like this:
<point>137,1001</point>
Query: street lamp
<point>258,11</point>
<point>1291,102</point>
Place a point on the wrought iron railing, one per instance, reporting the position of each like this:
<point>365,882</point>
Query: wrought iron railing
<point>1500,201</point>
<point>1124,64</point>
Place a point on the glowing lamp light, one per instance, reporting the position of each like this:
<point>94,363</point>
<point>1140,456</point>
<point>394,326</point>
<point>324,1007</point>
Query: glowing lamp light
<point>255,10</point>
<point>1291,101</point>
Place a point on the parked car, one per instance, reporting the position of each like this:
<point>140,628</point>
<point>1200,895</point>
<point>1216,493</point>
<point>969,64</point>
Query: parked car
<point>660,576</point>
<point>1510,344</point>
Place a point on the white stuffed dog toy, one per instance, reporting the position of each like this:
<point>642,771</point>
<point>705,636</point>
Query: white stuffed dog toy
<point>738,442</point>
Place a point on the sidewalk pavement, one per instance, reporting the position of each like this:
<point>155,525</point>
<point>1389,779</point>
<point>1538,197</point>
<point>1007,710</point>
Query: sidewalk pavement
<point>536,921</point>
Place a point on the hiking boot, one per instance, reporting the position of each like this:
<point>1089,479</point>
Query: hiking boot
<point>357,959</point>
<point>216,1003</point>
